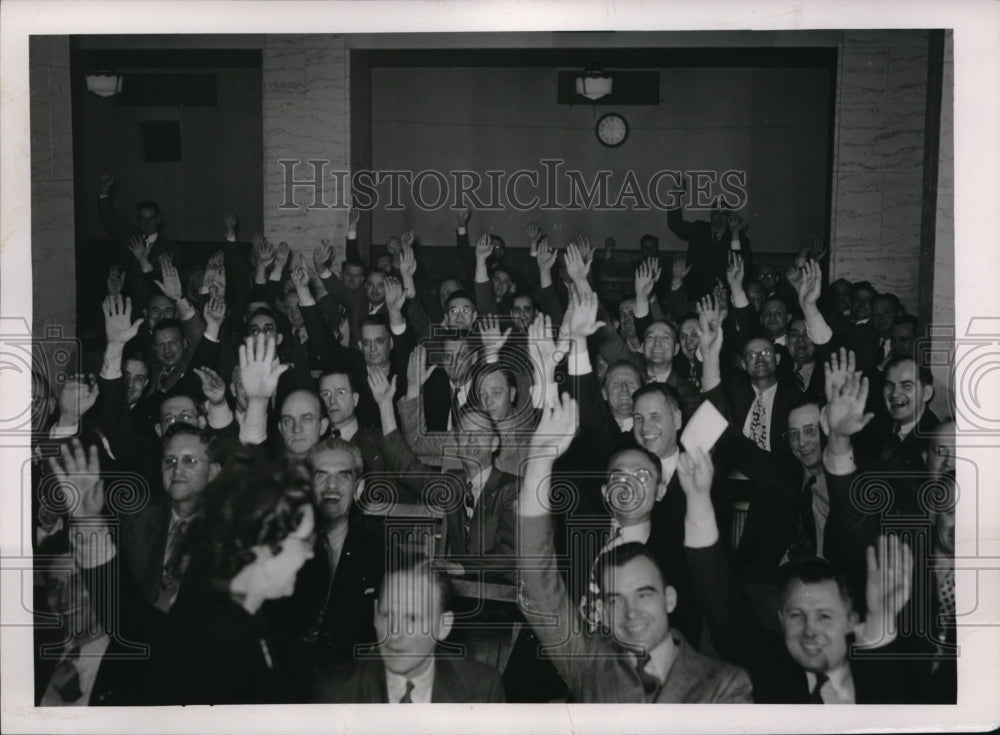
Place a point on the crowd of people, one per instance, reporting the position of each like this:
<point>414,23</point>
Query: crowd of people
<point>206,507</point>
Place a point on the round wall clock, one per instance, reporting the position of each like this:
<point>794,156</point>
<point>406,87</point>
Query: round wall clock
<point>612,130</point>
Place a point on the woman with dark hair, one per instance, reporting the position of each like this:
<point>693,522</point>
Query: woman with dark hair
<point>253,534</point>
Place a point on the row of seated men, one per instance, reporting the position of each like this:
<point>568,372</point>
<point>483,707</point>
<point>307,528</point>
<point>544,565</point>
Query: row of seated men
<point>550,445</point>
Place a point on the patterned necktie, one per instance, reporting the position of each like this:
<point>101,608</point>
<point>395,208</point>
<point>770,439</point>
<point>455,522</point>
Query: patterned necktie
<point>406,699</point>
<point>66,677</point>
<point>170,579</point>
<point>470,507</point>
<point>800,377</point>
<point>758,429</point>
<point>455,406</point>
<point>815,696</point>
<point>946,598</point>
<point>650,683</point>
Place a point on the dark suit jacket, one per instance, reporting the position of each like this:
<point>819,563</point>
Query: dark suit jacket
<point>741,397</point>
<point>143,542</point>
<point>491,542</point>
<point>334,613</point>
<point>596,668</point>
<point>777,678</point>
<point>709,257</point>
<point>455,680</point>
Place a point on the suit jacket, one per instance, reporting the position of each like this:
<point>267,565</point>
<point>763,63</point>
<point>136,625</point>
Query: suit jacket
<point>333,613</point>
<point>594,665</point>
<point>708,256</point>
<point>741,397</point>
<point>455,680</point>
<point>491,541</point>
<point>777,678</point>
<point>143,543</point>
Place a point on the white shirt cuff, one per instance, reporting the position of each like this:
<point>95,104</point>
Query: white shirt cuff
<point>838,464</point>
<point>740,302</point>
<point>398,329</point>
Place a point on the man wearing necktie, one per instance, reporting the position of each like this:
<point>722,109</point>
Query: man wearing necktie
<point>478,500</point>
<point>636,656</point>
<point>409,665</point>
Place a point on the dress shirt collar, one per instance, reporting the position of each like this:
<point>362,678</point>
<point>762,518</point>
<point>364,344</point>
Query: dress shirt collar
<point>659,377</point>
<point>839,686</point>
<point>479,481</point>
<point>628,534</point>
<point>150,239</point>
<point>661,658</point>
<point>335,539</point>
<point>905,429</point>
<point>625,424</point>
<point>668,465</point>
<point>423,685</point>
<point>349,429</point>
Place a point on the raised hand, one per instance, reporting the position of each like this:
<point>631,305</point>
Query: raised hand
<point>586,251</point>
<point>406,240</point>
<point>646,275</point>
<point>79,394</point>
<point>407,263</point>
<point>556,428</point>
<point>709,327</point>
<point>847,392</point>
<point>837,369</point>
<point>811,285</point>
<point>118,325</point>
<point>81,473</point>
<point>695,472</point>
<point>394,295</point>
<point>139,248</point>
<point>577,264</point>
<point>353,217</point>
<point>417,371</point>
<point>534,235</point>
<point>484,248</point>
<point>463,216</point>
<point>212,385</point>
<point>812,249</point>
<point>214,280</point>
<point>887,586</point>
<point>171,283</point>
<point>734,272</point>
<point>545,256</point>
<point>263,250</point>
<point>489,331</point>
<point>583,314</point>
<point>231,223</point>
<point>322,256</point>
<point>259,367</point>
<point>679,270</point>
<point>214,313</point>
<point>281,256</point>
<point>546,350</point>
<point>736,222</point>
<point>793,274</point>
<point>382,389</point>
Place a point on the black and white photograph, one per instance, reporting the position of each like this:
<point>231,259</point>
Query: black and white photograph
<point>505,358</point>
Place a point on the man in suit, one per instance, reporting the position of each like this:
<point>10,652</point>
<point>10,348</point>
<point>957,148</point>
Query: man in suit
<point>816,610</point>
<point>332,606</point>
<point>709,245</point>
<point>339,392</point>
<point>82,662</point>
<point>478,499</point>
<point>637,657</point>
<point>758,399</point>
<point>412,618</point>
<point>150,535</point>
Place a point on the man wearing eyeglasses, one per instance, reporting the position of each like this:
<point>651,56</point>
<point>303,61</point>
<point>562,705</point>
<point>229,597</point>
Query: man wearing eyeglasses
<point>149,537</point>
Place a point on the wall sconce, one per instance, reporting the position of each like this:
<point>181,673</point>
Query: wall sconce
<point>104,84</point>
<point>594,84</point>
